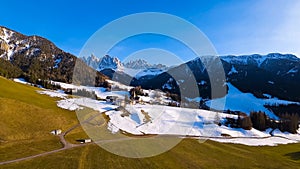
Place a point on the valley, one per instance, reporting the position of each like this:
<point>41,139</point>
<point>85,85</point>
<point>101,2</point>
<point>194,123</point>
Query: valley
<point>208,155</point>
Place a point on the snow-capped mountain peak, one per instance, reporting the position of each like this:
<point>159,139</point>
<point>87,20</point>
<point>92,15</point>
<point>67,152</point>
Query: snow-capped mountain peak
<point>257,59</point>
<point>137,64</point>
<point>109,62</point>
<point>143,64</point>
<point>135,68</point>
<point>105,62</point>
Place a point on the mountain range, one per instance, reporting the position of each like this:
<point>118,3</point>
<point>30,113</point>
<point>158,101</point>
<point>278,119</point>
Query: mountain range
<point>35,58</point>
<point>273,74</point>
<point>109,62</point>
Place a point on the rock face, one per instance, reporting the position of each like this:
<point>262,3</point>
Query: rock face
<point>38,58</point>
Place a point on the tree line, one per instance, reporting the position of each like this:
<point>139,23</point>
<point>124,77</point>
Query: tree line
<point>260,121</point>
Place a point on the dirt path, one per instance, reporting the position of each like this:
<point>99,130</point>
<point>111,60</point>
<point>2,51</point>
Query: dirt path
<point>66,144</point>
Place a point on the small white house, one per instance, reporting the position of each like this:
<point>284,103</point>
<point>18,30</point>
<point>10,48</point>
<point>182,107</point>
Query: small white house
<point>56,132</point>
<point>87,140</point>
<point>82,141</point>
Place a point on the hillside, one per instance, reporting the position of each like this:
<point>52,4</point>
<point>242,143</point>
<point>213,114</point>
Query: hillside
<point>34,58</point>
<point>274,74</point>
<point>26,120</point>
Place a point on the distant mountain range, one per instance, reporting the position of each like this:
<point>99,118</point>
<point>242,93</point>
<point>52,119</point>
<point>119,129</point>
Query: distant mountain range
<point>36,58</point>
<point>109,62</point>
<point>273,74</point>
<point>124,72</point>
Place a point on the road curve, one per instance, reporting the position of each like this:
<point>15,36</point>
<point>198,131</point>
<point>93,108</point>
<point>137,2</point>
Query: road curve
<point>66,144</point>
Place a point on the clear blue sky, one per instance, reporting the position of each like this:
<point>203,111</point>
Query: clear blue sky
<point>233,26</point>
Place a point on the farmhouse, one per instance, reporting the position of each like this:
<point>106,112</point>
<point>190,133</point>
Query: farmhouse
<point>111,99</point>
<point>56,132</point>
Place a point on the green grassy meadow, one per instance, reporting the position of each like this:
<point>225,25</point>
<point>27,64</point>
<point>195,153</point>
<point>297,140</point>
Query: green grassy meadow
<point>27,119</point>
<point>188,154</point>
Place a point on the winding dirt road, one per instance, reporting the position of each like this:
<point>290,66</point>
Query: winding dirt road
<point>66,144</point>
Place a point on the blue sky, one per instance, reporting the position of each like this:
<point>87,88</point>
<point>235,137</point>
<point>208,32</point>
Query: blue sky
<point>233,26</point>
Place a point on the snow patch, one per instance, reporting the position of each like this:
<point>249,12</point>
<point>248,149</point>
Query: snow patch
<point>202,82</point>
<point>271,141</point>
<point>267,96</point>
<point>21,80</point>
<point>57,93</point>
<point>68,105</point>
<point>232,71</point>
<point>293,70</point>
<point>238,101</point>
<point>57,62</point>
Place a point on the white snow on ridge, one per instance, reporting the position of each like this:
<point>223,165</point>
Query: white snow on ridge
<point>268,96</point>
<point>57,62</point>
<point>257,59</point>
<point>21,80</point>
<point>276,101</point>
<point>167,84</point>
<point>260,61</point>
<point>246,102</point>
<point>149,72</point>
<point>138,73</point>
<point>58,93</point>
<point>232,71</point>
<point>293,70</point>
<point>10,53</point>
<point>7,35</point>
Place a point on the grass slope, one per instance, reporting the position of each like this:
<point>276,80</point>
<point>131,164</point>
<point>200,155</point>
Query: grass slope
<point>187,154</point>
<point>26,120</point>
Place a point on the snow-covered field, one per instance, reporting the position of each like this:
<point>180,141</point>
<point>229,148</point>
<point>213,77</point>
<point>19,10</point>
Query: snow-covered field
<point>160,119</point>
<point>181,122</point>
<point>236,100</point>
